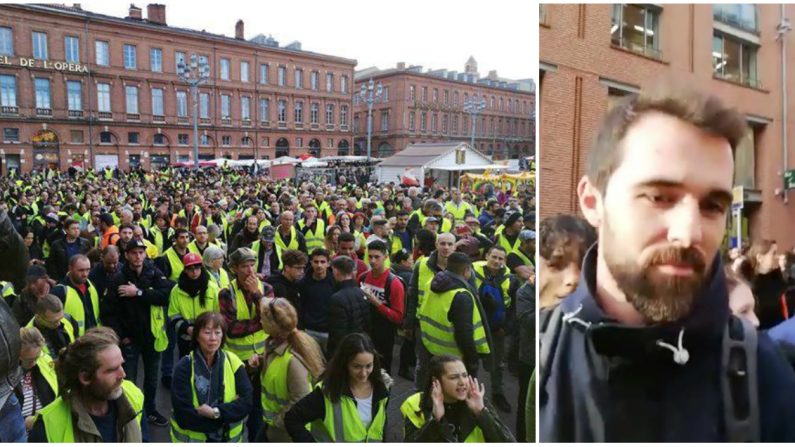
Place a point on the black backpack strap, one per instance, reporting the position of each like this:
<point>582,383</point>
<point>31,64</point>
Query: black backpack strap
<point>739,381</point>
<point>550,326</point>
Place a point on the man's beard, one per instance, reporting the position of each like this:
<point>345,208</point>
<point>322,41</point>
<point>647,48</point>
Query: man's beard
<point>98,393</point>
<point>658,297</point>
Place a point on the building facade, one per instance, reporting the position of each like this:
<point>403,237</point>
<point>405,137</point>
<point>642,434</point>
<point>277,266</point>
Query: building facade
<point>79,88</point>
<point>591,55</point>
<point>428,107</point>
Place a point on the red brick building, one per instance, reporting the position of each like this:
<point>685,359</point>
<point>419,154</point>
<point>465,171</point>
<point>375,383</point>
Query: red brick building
<point>592,54</point>
<point>427,107</point>
<point>83,88</point>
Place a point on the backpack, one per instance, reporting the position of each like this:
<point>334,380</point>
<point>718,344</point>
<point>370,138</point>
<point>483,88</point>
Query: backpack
<point>738,377</point>
<point>388,286</point>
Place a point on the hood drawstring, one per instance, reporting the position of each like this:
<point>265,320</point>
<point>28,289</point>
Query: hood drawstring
<point>681,355</point>
<point>571,317</point>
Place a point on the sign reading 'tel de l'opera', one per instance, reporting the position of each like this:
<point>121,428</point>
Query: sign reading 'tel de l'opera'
<point>47,65</point>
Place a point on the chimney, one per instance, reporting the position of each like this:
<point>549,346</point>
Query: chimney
<point>77,6</point>
<point>156,13</point>
<point>401,65</point>
<point>135,13</point>
<point>239,30</point>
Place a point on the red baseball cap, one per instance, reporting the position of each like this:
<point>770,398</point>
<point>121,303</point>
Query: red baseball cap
<point>191,259</point>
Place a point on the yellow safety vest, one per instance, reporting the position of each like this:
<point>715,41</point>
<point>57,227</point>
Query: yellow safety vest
<point>424,281</point>
<point>6,289</point>
<point>159,238</point>
<point>193,248</point>
<point>445,227</point>
<point>458,211</point>
<point>314,239</point>
<point>175,262</point>
<point>411,410</point>
<point>438,333</point>
<point>505,280</point>
<point>342,423</point>
<point>255,248</point>
<point>68,327</point>
<point>224,281</point>
<point>275,394</point>
<point>293,245</point>
<point>249,345</point>
<point>151,249</point>
<point>57,416</point>
<point>188,307</point>
<point>47,369</point>
<point>503,242</point>
<point>525,259</point>
<point>224,224</point>
<point>231,364</point>
<point>73,305</point>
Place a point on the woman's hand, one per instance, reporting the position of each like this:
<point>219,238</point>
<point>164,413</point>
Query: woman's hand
<point>437,397</point>
<point>475,396</point>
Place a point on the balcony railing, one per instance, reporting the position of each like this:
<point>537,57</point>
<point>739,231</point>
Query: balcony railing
<point>647,51</point>
<point>105,115</point>
<point>75,114</point>
<point>9,110</point>
<point>205,121</point>
<point>226,121</point>
<point>158,118</point>
<point>183,120</point>
<point>133,117</point>
<point>43,112</point>
<point>265,123</point>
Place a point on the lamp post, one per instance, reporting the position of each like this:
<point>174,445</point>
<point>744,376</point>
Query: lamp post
<point>473,106</point>
<point>370,94</point>
<point>194,74</point>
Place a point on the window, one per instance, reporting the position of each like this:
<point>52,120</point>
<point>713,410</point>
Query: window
<point>130,59</point>
<point>105,137</point>
<point>455,124</point>
<point>246,141</point>
<point>734,60</point>
<point>156,60</point>
<point>386,93</point>
<point>299,142</point>
<point>132,137</point>
<point>263,73</point>
<point>243,71</point>
<point>131,93</point>
<point>71,47</point>
<point>330,114</point>
<point>299,78</point>
<point>282,76</point>
<point>225,69</point>
<point>245,108</point>
<point>226,140</point>
<point>282,111</point>
<point>11,135</point>
<point>76,136</point>
<point>384,121</point>
<point>434,120</point>
<point>103,97</point>
<point>182,104</point>
<point>74,95</point>
<point>226,106</point>
<point>636,28</point>
<point>343,115</point>
<point>425,94</point>
<point>204,140</point>
<point>743,16</point>
<point>182,139</point>
<point>445,120</point>
<point>266,141</point>
<point>159,139</point>
<point>204,105</point>
<point>8,90</point>
<point>502,109</point>
<point>264,109</point>
<point>435,95</point>
<point>424,122</point>
<point>412,121</point>
<point>313,80</point>
<point>446,97</point>
<point>356,122</point>
<point>344,84</point>
<point>42,93</point>
<point>157,102</point>
<point>314,112</point>
<point>455,98</point>
<point>39,45</point>
<point>6,41</point>
<point>179,56</point>
<point>412,93</point>
<point>102,53</point>
<point>299,112</point>
<point>329,82</point>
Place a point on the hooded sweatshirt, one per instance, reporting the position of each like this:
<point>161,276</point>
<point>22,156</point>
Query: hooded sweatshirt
<point>610,382</point>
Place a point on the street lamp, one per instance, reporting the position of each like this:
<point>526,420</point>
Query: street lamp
<point>194,74</point>
<point>473,107</point>
<point>369,94</point>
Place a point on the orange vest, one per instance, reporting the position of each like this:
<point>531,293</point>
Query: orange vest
<point>106,237</point>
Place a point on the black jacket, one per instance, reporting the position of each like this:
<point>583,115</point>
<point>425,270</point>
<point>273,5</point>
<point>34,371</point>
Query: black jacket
<point>24,307</point>
<point>13,254</point>
<point>102,279</point>
<point>88,307</point>
<point>43,390</point>
<point>349,312</point>
<point>130,317</point>
<point>58,262</point>
<point>768,289</point>
<point>315,297</point>
<point>457,424</point>
<point>283,288</point>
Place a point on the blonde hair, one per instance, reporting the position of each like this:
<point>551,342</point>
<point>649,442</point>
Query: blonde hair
<point>31,337</point>
<point>284,316</point>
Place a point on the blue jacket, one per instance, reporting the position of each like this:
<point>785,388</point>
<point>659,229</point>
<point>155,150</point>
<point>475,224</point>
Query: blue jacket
<point>610,382</point>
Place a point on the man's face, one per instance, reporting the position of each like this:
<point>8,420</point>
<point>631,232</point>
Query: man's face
<point>126,234</point>
<point>517,226</point>
<point>50,320</point>
<point>244,269</point>
<point>286,220</point>
<point>107,380</point>
<point>183,240</point>
<point>79,271</point>
<point>138,234</point>
<point>40,287</point>
<point>135,257</point>
<point>401,223</point>
<point>456,194</point>
<point>380,230</point>
<point>341,205</point>
<point>251,224</point>
<point>311,213</point>
<point>495,259</point>
<point>110,262</point>
<point>73,232</point>
<point>445,245</point>
<point>663,215</point>
<point>294,272</point>
<point>346,249</point>
<point>319,265</point>
<point>201,235</point>
<point>557,278</point>
<point>376,259</point>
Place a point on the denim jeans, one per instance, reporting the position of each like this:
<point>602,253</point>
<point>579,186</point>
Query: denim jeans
<point>167,365</point>
<point>151,359</point>
<point>12,424</point>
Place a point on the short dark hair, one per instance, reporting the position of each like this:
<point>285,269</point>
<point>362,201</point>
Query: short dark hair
<point>565,238</point>
<point>319,252</point>
<point>458,263</point>
<point>181,221</point>
<point>344,264</point>
<point>205,319</point>
<point>377,245</point>
<point>293,258</point>
<point>496,247</point>
<point>346,237</point>
<point>180,231</point>
<point>125,226</point>
<point>400,256</point>
<point>69,222</point>
<point>705,111</point>
<point>402,213</point>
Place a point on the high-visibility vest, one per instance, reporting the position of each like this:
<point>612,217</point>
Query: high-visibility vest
<point>255,248</point>
<point>47,370</point>
<point>159,239</point>
<point>438,333</point>
<point>275,394</point>
<point>314,239</point>
<point>411,410</point>
<point>175,261</point>
<point>73,305</point>
<point>108,235</point>
<point>342,423</point>
<point>252,344</point>
<point>57,416</point>
<point>503,279</point>
<point>193,248</point>
<point>323,210</point>
<point>395,243</point>
<point>151,249</point>
<point>424,281</point>
<point>68,327</point>
<point>525,260</point>
<point>231,364</point>
<point>224,224</point>
<point>6,290</point>
<point>157,323</point>
<point>503,242</point>
<point>293,245</point>
<point>445,227</point>
<point>458,211</point>
<point>223,283</point>
<point>189,307</point>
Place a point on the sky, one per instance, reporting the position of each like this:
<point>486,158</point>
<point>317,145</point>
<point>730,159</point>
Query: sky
<point>502,35</point>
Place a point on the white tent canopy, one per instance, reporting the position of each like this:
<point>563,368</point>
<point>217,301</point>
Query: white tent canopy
<point>439,158</point>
